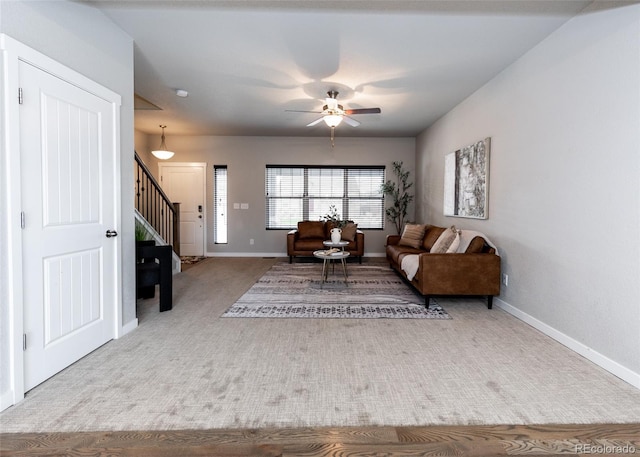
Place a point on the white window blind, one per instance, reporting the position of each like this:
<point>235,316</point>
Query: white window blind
<point>296,193</point>
<point>220,204</point>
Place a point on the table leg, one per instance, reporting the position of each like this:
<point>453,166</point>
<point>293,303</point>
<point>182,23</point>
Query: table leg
<point>325,270</point>
<point>344,269</point>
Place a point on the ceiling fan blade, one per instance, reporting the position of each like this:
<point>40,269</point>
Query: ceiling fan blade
<point>363,111</point>
<point>317,121</point>
<point>350,121</point>
<point>299,111</point>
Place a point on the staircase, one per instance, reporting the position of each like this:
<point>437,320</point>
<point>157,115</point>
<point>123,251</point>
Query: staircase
<point>155,212</point>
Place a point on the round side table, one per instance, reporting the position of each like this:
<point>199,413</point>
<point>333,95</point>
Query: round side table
<point>328,258</point>
<point>339,244</point>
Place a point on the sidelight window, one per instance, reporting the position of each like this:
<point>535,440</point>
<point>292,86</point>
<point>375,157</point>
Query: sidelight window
<point>220,204</point>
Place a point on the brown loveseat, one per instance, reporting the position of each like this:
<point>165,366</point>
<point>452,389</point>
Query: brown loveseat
<point>309,235</point>
<point>467,265</point>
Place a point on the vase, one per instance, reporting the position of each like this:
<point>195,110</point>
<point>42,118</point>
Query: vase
<point>336,235</point>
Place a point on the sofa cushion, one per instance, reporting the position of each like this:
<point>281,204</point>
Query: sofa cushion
<point>349,231</point>
<point>310,229</point>
<point>476,245</point>
<point>432,233</point>
<point>395,252</point>
<point>309,244</point>
<point>444,241</point>
<point>412,235</point>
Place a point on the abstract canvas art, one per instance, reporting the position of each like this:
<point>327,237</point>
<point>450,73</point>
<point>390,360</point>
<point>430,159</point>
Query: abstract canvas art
<point>466,181</point>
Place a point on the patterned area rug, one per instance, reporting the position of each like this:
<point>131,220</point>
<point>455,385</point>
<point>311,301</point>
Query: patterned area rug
<point>191,260</point>
<point>296,291</point>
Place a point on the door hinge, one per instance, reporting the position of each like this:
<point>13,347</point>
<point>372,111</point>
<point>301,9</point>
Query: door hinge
<point>20,99</point>
<point>24,341</point>
<point>23,222</point>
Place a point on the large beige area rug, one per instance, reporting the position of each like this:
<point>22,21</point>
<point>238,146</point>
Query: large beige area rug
<point>190,369</point>
<point>371,291</point>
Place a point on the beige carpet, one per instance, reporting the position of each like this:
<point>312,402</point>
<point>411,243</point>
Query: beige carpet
<point>188,368</point>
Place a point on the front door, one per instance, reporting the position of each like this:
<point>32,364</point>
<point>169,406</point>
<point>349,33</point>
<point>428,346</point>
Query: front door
<point>185,183</point>
<point>68,200</point>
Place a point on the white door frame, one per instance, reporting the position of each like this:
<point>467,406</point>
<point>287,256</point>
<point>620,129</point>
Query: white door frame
<point>12,311</point>
<point>202,165</point>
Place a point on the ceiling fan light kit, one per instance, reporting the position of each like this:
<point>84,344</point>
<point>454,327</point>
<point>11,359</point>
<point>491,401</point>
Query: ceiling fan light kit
<point>162,152</point>
<point>333,113</point>
<point>332,120</point>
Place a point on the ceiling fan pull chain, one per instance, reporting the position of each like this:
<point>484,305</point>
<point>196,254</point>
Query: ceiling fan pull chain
<point>332,137</point>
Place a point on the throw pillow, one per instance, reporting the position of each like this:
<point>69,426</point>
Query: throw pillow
<point>444,241</point>
<point>455,244</point>
<point>412,235</point>
<point>349,231</point>
<point>310,229</point>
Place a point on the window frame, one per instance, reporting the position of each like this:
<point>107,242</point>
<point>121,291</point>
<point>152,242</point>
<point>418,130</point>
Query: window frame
<point>216,221</point>
<point>303,197</point>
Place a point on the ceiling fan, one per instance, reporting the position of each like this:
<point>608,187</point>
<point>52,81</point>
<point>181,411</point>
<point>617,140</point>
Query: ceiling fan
<point>333,113</point>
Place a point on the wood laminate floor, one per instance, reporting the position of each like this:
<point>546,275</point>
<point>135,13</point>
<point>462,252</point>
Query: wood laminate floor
<point>479,441</point>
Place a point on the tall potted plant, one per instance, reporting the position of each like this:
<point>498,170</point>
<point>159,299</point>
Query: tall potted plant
<point>397,190</point>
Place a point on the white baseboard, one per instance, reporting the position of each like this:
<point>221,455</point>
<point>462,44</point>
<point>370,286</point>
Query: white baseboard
<point>246,254</point>
<point>129,327</point>
<point>6,400</point>
<point>272,254</point>
<point>611,366</point>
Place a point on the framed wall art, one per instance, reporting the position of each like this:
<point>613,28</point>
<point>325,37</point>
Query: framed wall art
<point>466,181</point>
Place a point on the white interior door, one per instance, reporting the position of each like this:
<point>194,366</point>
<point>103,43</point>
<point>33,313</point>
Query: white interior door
<point>68,193</point>
<point>185,183</point>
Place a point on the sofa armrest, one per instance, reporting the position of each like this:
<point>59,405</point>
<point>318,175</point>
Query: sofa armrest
<point>291,239</point>
<point>392,240</point>
<point>459,274</point>
<point>359,240</point>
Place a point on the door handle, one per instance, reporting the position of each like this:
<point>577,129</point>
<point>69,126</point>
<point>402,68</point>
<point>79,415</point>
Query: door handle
<point>111,233</point>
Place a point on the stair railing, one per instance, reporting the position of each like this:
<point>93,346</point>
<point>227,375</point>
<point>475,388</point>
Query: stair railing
<point>154,205</point>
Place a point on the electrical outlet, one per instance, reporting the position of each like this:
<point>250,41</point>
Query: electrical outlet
<point>505,280</point>
<point>251,241</point>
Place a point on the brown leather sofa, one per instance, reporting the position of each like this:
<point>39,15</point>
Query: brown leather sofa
<point>309,235</point>
<point>474,271</point>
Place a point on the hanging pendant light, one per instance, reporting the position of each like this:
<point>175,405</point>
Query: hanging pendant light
<point>162,153</point>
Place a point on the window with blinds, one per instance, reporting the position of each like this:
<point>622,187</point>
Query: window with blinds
<point>297,193</point>
<point>220,204</point>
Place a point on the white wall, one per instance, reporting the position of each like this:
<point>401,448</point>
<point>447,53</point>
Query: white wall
<point>564,205</point>
<point>85,40</point>
<point>246,158</point>
<point>143,145</point>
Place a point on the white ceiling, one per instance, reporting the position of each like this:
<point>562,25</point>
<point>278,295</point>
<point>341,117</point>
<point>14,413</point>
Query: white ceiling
<point>245,62</point>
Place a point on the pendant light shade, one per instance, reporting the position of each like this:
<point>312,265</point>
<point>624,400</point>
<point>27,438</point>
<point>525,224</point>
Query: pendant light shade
<point>162,152</point>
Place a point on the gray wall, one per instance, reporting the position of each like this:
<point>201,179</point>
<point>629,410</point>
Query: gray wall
<point>246,158</point>
<point>85,40</point>
<point>143,147</point>
<point>564,205</point>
